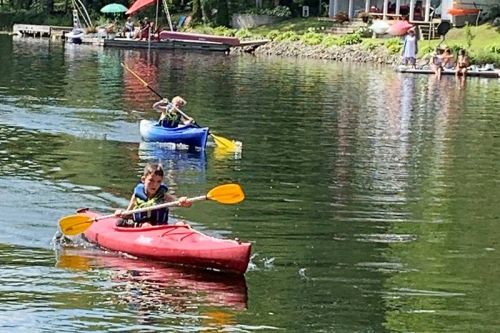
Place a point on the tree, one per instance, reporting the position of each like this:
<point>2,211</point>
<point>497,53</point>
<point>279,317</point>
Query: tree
<point>196,15</point>
<point>222,16</point>
<point>50,6</point>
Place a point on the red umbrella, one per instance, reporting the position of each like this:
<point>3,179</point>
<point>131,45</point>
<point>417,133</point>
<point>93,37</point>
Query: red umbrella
<point>138,5</point>
<point>399,28</point>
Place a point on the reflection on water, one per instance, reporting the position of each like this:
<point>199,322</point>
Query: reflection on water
<point>100,291</point>
<point>371,197</point>
<point>192,164</point>
<point>146,286</point>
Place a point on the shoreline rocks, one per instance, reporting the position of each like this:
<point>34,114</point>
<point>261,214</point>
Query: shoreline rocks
<point>348,53</point>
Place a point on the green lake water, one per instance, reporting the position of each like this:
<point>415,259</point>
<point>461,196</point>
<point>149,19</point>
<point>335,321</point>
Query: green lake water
<point>371,196</point>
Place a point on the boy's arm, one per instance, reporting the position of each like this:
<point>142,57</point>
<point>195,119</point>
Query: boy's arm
<point>187,120</point>
<point>131,205</point>
<point>183,202</point>
<point>161,105</point>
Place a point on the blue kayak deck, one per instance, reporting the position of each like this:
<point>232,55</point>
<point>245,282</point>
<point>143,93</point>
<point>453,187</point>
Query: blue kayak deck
<point>190,135</point>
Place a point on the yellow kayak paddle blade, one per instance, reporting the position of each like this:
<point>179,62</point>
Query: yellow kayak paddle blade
<point>73,225</point>
<point>225,143</point>
<point>227,194</point>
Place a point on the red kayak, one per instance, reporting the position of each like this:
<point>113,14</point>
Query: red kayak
<point>178,244</point>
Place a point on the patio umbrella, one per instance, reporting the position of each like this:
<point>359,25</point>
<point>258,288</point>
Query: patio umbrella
<point>379,27</point>
<point>399,28</point>
<point>114,8</point>
<point>138,5</point>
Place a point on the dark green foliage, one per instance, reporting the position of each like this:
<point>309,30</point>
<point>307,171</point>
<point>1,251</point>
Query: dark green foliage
<point>273,34</point>
<point>312,38</point>
<point>455,48</point>
<point>222,16</point>
<point>196,13</point>
<point>279,11</point>
<point>7,19</point>
<point>468,35</point>
<point>370,44</point>
<point>484,57</point>
<point>394,45</point>
<point>493,48</point>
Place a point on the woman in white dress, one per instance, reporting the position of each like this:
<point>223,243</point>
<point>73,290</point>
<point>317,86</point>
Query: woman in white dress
<point>410,48</point>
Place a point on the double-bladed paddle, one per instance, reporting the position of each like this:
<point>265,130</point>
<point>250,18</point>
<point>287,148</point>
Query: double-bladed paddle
<point>225,194</point>
<point>219,140</point>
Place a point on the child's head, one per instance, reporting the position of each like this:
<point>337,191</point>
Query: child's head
<point>462,52</point>
<point>178,101</point>
<point>152,178</point>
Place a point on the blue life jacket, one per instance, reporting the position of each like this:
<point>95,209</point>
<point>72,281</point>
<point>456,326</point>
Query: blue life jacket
<point>157,216</point>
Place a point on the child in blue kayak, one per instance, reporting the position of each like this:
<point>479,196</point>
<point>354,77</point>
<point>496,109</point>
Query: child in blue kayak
<point>149,192</point>
<point>170,116</point>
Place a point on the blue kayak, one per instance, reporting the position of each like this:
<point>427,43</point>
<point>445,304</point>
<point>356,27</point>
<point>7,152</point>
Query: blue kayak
<point>189,135</point>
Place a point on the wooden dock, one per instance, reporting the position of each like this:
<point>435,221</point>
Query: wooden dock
<point>54,32</point>
<point>197,45</point>
<point>35,30</point>
<point>167,44</point>
<point>258,42</point>
<point>493,74</point>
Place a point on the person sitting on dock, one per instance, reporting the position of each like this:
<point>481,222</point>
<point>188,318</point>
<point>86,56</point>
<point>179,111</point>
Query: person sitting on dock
<point>447,59</point>
<point>128,30</point>
<point>144,30</point>
<point>463,63</point>
<point>436,64</point>
<point>171,113</point>
<point>442,60</point>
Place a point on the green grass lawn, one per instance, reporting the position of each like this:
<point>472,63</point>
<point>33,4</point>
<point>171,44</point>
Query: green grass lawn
<point>483,36</point>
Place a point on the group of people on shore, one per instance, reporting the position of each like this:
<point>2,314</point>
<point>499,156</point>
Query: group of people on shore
<point>146,27</point>
<point>442,59</point>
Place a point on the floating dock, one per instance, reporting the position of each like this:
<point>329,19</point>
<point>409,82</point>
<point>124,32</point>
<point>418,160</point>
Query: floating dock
<point>56,32</point>
<point>168,44</point>
<point>493,74</point>
<point>35,30</point>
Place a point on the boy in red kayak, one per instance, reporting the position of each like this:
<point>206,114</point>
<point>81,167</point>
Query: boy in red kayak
<point>149,192</point>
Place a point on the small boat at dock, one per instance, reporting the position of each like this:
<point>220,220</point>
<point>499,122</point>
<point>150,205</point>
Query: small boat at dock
<point>189,36</point>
